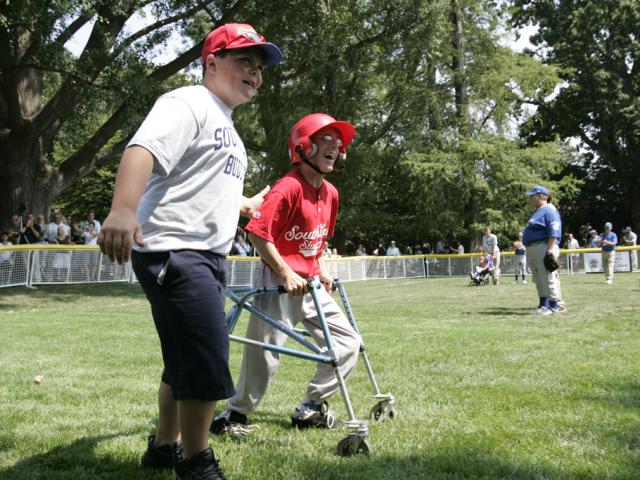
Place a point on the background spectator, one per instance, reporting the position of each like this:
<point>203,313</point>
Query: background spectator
<point>15,225</point>
<point>5,259</point>
<point>361,251</point>
<point>381,250</point>
<point>76,234</point>
<point>90,237</point>
<point>393,251</point>
<point>490,247</point>
<point>574,258</point>
<point>630,239</point>
<point>30,232</point>
<point>608,242</point>
<point>51,231</point>
<point>91,219</point>
<point>241,247</point>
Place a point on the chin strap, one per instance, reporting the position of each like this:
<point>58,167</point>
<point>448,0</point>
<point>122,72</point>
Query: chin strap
<point>338,165</point>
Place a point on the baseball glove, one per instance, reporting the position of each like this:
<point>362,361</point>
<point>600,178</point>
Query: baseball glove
<point>551,262</point>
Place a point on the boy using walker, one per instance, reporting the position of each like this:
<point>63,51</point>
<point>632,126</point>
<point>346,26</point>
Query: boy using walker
<point>289,232</point>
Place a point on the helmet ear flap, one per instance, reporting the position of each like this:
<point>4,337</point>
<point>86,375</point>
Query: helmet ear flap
<point>306,147</point>
<point>340,163</point>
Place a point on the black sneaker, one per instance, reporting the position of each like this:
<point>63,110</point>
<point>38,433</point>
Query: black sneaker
<point>202,466</point>
<point>161,456</point>
<point>232,423</point>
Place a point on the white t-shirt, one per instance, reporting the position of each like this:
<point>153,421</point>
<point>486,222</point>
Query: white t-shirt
<point>5,256</point>
<point>90,239</point>
<point>51,230</point>
<point>489,242</point>
<point>192,199</point>
<point>84,225</point>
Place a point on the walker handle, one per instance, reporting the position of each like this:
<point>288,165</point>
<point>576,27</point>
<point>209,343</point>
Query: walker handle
<point>283,290</point>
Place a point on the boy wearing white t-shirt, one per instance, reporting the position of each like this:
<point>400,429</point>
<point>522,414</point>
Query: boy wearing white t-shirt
<point>176,202</point>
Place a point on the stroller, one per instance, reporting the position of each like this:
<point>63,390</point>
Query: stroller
<point>356,441</point>
<point>483,273</point>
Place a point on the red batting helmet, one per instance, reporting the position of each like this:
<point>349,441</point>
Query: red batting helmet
<point>299,138</point>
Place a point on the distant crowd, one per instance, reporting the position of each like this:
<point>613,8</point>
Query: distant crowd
<point>64,230</point>
<point>28,229</point>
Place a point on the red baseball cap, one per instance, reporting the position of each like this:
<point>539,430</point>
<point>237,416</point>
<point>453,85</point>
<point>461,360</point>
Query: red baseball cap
<point>232,36</point>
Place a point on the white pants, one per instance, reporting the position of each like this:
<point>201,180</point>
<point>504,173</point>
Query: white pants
<point>608,261</point>
<point>259,366</point>
<point>547,283</point>
<point>520,265</point>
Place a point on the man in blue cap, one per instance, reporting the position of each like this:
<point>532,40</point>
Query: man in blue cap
<point>542,237</point>
<point>608,241</point>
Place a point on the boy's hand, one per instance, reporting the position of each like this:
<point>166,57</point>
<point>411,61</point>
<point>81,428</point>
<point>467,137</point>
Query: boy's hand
<point>327,281</point>
<point>295,285</point>
<point>249,206</point>
<point>117,235</point>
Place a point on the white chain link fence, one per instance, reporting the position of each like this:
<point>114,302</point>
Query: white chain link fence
<point>53,264</point>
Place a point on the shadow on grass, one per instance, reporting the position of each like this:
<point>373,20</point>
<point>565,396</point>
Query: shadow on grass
<point>78,461</point>
<point>447,463</point>
<point>462,463</point>
<point>65,292</point>
<point>624,394</point>
<point>505,311</point>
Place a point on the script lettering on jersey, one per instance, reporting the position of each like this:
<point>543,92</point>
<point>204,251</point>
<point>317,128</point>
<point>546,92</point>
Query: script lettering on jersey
<point>311,242</point>
<point>224,137</point>
<point>235,167</point>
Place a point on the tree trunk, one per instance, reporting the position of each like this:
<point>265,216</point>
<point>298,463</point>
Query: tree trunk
<point>26,184</point>
<point>458,66</point>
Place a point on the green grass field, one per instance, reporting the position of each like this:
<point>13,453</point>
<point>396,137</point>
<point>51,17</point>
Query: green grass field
<point>484,390</point>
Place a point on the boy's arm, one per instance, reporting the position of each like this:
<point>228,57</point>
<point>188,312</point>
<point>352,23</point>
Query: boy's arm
<point>292,282</point>
<point>121,227</point>
<point>325,278</point>
<point>249,206</point>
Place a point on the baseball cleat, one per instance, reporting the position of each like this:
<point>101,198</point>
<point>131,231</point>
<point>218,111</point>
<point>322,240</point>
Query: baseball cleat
<point>542,311</point>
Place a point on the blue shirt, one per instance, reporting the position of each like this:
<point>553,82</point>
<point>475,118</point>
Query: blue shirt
<point>612,237</point>
<point>543,224</point>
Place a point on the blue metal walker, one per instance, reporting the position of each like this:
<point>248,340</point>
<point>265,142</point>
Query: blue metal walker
<point>356,441</point>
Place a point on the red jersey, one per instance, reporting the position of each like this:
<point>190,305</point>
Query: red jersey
<point>297,218</point>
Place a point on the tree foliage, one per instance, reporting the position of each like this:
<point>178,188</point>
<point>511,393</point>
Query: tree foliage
<point>596,46</point>
<point>414,171</point>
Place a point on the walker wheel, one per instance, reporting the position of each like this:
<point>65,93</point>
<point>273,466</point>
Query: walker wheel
<point>349,446</point>
<point>382,411</point>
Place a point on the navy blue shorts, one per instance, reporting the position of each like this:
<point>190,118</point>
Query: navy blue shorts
<point>186,289</point>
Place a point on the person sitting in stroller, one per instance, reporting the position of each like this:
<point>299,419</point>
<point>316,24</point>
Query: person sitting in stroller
<point>482,273</point>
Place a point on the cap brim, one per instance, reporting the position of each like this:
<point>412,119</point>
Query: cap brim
<point>272,54</point>
<point>347,132</point>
